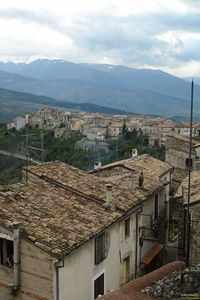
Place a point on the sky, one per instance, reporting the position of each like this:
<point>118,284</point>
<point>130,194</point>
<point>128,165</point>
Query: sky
<point>156,34</point>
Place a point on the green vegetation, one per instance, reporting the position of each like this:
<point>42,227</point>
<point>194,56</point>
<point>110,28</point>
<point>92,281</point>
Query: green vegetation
<point>55,149</point>
<point>122,147</point>
<point>64,149</point>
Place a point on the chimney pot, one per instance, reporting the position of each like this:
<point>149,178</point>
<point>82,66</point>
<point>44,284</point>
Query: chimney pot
<point>130,183</point>
<point>108,192</point>
<point>97,165</point>
<point>141,180</point>
<point>134,152</point>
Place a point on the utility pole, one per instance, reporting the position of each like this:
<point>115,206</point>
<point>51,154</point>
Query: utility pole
<point>189,179</point>
<point>42,147</point>
<point>27,156</point>
<point>117,149</point>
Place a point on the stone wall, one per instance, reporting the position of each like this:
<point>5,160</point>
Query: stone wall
<point>176,152</point>
<point>175,284</point>
<point>167,288</point>
<point>191,280</point>
<point>195,236</point>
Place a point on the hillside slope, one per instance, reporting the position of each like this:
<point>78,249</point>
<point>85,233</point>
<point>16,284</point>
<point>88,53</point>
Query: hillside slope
<point>138,91</point>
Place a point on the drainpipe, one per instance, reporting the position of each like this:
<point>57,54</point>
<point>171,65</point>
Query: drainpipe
<point>16,259</point>
<point>136,245</point>
<point>58,265</point>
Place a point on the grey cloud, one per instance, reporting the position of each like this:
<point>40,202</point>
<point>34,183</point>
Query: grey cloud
<point>127,40</point>
<point>133,37</point>
<point>42,18</point>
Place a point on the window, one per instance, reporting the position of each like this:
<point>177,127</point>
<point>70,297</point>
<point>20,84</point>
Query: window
<point>99,286</point>
<point>188,163</point>
<point>126,269</point>
<point>127,228</point>
<point>100,248</point>
<point>6,252</point>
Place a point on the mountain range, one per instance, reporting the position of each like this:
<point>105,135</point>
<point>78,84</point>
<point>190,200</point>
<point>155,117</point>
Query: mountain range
<point>116,87</point>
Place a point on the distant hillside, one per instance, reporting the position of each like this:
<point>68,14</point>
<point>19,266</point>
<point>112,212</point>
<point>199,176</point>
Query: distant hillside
<point>14,103</point>
<point>118,87</point>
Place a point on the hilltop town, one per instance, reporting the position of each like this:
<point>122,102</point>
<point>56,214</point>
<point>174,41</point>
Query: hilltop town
<point>98,127</point>
<point>120,229</point>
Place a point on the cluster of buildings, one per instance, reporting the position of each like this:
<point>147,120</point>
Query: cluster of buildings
<point>98,127</point>
<point>70,234</point>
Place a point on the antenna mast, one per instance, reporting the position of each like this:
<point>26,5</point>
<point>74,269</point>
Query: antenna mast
<point>189,178</point>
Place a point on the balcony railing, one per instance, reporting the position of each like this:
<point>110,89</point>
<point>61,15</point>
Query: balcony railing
<point>154,228</point>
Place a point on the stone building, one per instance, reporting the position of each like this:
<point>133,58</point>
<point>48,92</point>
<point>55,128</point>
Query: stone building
<point>48,118</point>
<point>177,152</point>
<point>181,198</point>
<point>94,146</point>
<point>74,227</point>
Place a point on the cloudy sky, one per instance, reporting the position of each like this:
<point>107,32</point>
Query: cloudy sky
<point>160,34</point>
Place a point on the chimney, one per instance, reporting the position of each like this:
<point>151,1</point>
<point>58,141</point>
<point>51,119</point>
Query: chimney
<point>141,180</point>
<point>130,183</point>
<point>134,152</point>
<point>97,165</point>
<point>16,258</point>
<point>109,205</point>
<point>108,193</point>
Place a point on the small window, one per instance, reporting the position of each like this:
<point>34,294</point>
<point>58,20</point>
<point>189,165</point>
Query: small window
<point>100,248</point>
<point>127,228</point>
<point>99,286</point>
<point>6,253</point>
<point>188,163</point>
<point>126,269</point>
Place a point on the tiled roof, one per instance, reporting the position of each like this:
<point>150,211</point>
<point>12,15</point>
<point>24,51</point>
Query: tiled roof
<point>61,206</point>
<point>85,183</point>
<point>151,254</point>
<point>194,188</point>
<point>182,138</point>
<point>55,219</point>
<point>146,163</point>
<point>119,172</point>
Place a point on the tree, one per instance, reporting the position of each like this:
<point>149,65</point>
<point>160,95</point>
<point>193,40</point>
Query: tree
<point>124,128</point>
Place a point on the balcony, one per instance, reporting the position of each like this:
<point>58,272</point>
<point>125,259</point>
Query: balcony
<point>154,229</point>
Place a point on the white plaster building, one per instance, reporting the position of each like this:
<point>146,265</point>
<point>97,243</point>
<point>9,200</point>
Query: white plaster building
<point>18,123</point>
<point>79,235</point>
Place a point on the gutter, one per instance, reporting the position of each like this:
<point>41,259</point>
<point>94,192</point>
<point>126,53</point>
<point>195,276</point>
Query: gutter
<point>14,287</point>
<point>59,264</point>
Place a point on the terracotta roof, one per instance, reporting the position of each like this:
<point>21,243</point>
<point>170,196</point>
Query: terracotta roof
<point>88,184</point>
<point>151,254</point>
<point>119,172</point>
<point>132,290</point>
<point>54,218</point>
<point>182,138</point>
<point>146,163</point>
<point>194,188</point>
<point>61,207</point>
